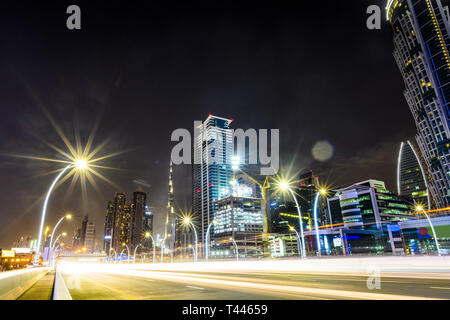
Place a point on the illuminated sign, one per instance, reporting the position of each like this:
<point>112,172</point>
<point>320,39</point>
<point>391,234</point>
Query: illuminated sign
<point>8,254</point>
<point>21,250</point>
<point>337,242</point>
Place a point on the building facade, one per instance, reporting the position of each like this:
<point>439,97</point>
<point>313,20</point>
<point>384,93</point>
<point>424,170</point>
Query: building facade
<point>411,179</point>
<point>421,50</point>
<point>240,223</point>
<point>212,173</point>
<point>368,205</point>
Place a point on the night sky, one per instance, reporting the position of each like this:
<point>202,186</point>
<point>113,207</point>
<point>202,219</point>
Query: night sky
<point>146,68</point>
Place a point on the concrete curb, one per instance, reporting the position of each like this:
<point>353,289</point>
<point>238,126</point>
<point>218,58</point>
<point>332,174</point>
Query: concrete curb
<point>60,291</point>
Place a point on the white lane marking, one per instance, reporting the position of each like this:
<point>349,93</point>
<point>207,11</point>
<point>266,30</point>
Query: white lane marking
<point>195,287</point>
<point>440,288</point>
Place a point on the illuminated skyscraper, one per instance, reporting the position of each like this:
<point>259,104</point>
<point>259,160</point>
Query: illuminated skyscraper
<point>411,180</point>
<point>213,149</point>
<point>119,203</point>
<point>421,50</point>
<point>109,222</point>
<point>137,217</point>
<point>171,221</point>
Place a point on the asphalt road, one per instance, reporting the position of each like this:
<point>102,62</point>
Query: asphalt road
<point>201,285</point>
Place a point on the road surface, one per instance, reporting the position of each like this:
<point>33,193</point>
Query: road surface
<point>164,282</point>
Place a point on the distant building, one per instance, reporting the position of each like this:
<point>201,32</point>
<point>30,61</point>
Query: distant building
<point>89,241</point>
<point>411,179</point>
<point>124,227</point>
<point>109,224</point>
<point>119,203</point>
<point>83,230</point>
<point>137,217</point>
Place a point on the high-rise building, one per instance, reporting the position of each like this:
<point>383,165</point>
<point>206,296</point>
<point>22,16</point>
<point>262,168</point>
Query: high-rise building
<point>411,179</point>
<point>170,225</point>
<point>421,50</point>
<point>213,149</point>
<point>109,223</point>
<point>89,241</point>
<point>124,238</point>
<point>83,230</point>
<point>307,189</point>
<point>137,217</point>
<point>119,203</point>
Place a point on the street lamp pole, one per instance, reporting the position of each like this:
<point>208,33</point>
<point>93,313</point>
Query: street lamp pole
<point>316,220</point>
<point>53,233</point>
<point>298,238</point>
<point>432,229</point>
<point>303,251</point>
<point>44,210</point>
<point>134,255</point>
<point>236,249</point>
<point>207,239</point>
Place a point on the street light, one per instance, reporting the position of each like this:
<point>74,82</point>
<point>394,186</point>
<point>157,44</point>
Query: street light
<point>79,164</point>
<point>322,191</point>
<point>284,185</point>
<point>115,253</point>
<point>235,248</point>
<point>68,217</point>
<point>420,208</point>
<point>63,234</point>
<point>207,238</point>
<point>128,251</point>
<point>148,235</point>
<point>292,229</point>
<point>187,221</point>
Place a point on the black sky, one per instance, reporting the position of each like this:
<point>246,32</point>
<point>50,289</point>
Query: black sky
<point>312,70</point>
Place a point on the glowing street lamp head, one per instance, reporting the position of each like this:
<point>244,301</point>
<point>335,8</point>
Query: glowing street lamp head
<point>187,220</point>
<point>68,216</point>
<point>214,221</point>
<point>81,164</point>
<point>291,229</point>
<point>419,208</point>
<point>284,185</point>
<point>323,191</point>
<point>147,235</point>
<point>64,234</point>
<point>235,163</point>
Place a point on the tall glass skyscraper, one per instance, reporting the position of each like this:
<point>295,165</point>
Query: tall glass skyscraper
<point>212,174</point>
<point>411,180</point>
<point>421,50</point>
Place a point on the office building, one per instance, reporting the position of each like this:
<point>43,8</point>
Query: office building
<point>421,50</point>
<point>411,179</point>
<point>240,223</point>
<point>213,149</point>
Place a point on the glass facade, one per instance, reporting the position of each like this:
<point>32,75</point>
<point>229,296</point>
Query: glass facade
<point>411,178</point>
<point>212,176</point>
<point>421,44</point>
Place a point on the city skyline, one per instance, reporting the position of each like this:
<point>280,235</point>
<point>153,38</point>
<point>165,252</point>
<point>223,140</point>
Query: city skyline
<point>296,88</point>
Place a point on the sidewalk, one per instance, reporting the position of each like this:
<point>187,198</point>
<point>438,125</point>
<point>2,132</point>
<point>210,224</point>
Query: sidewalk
<point>41,290</point>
